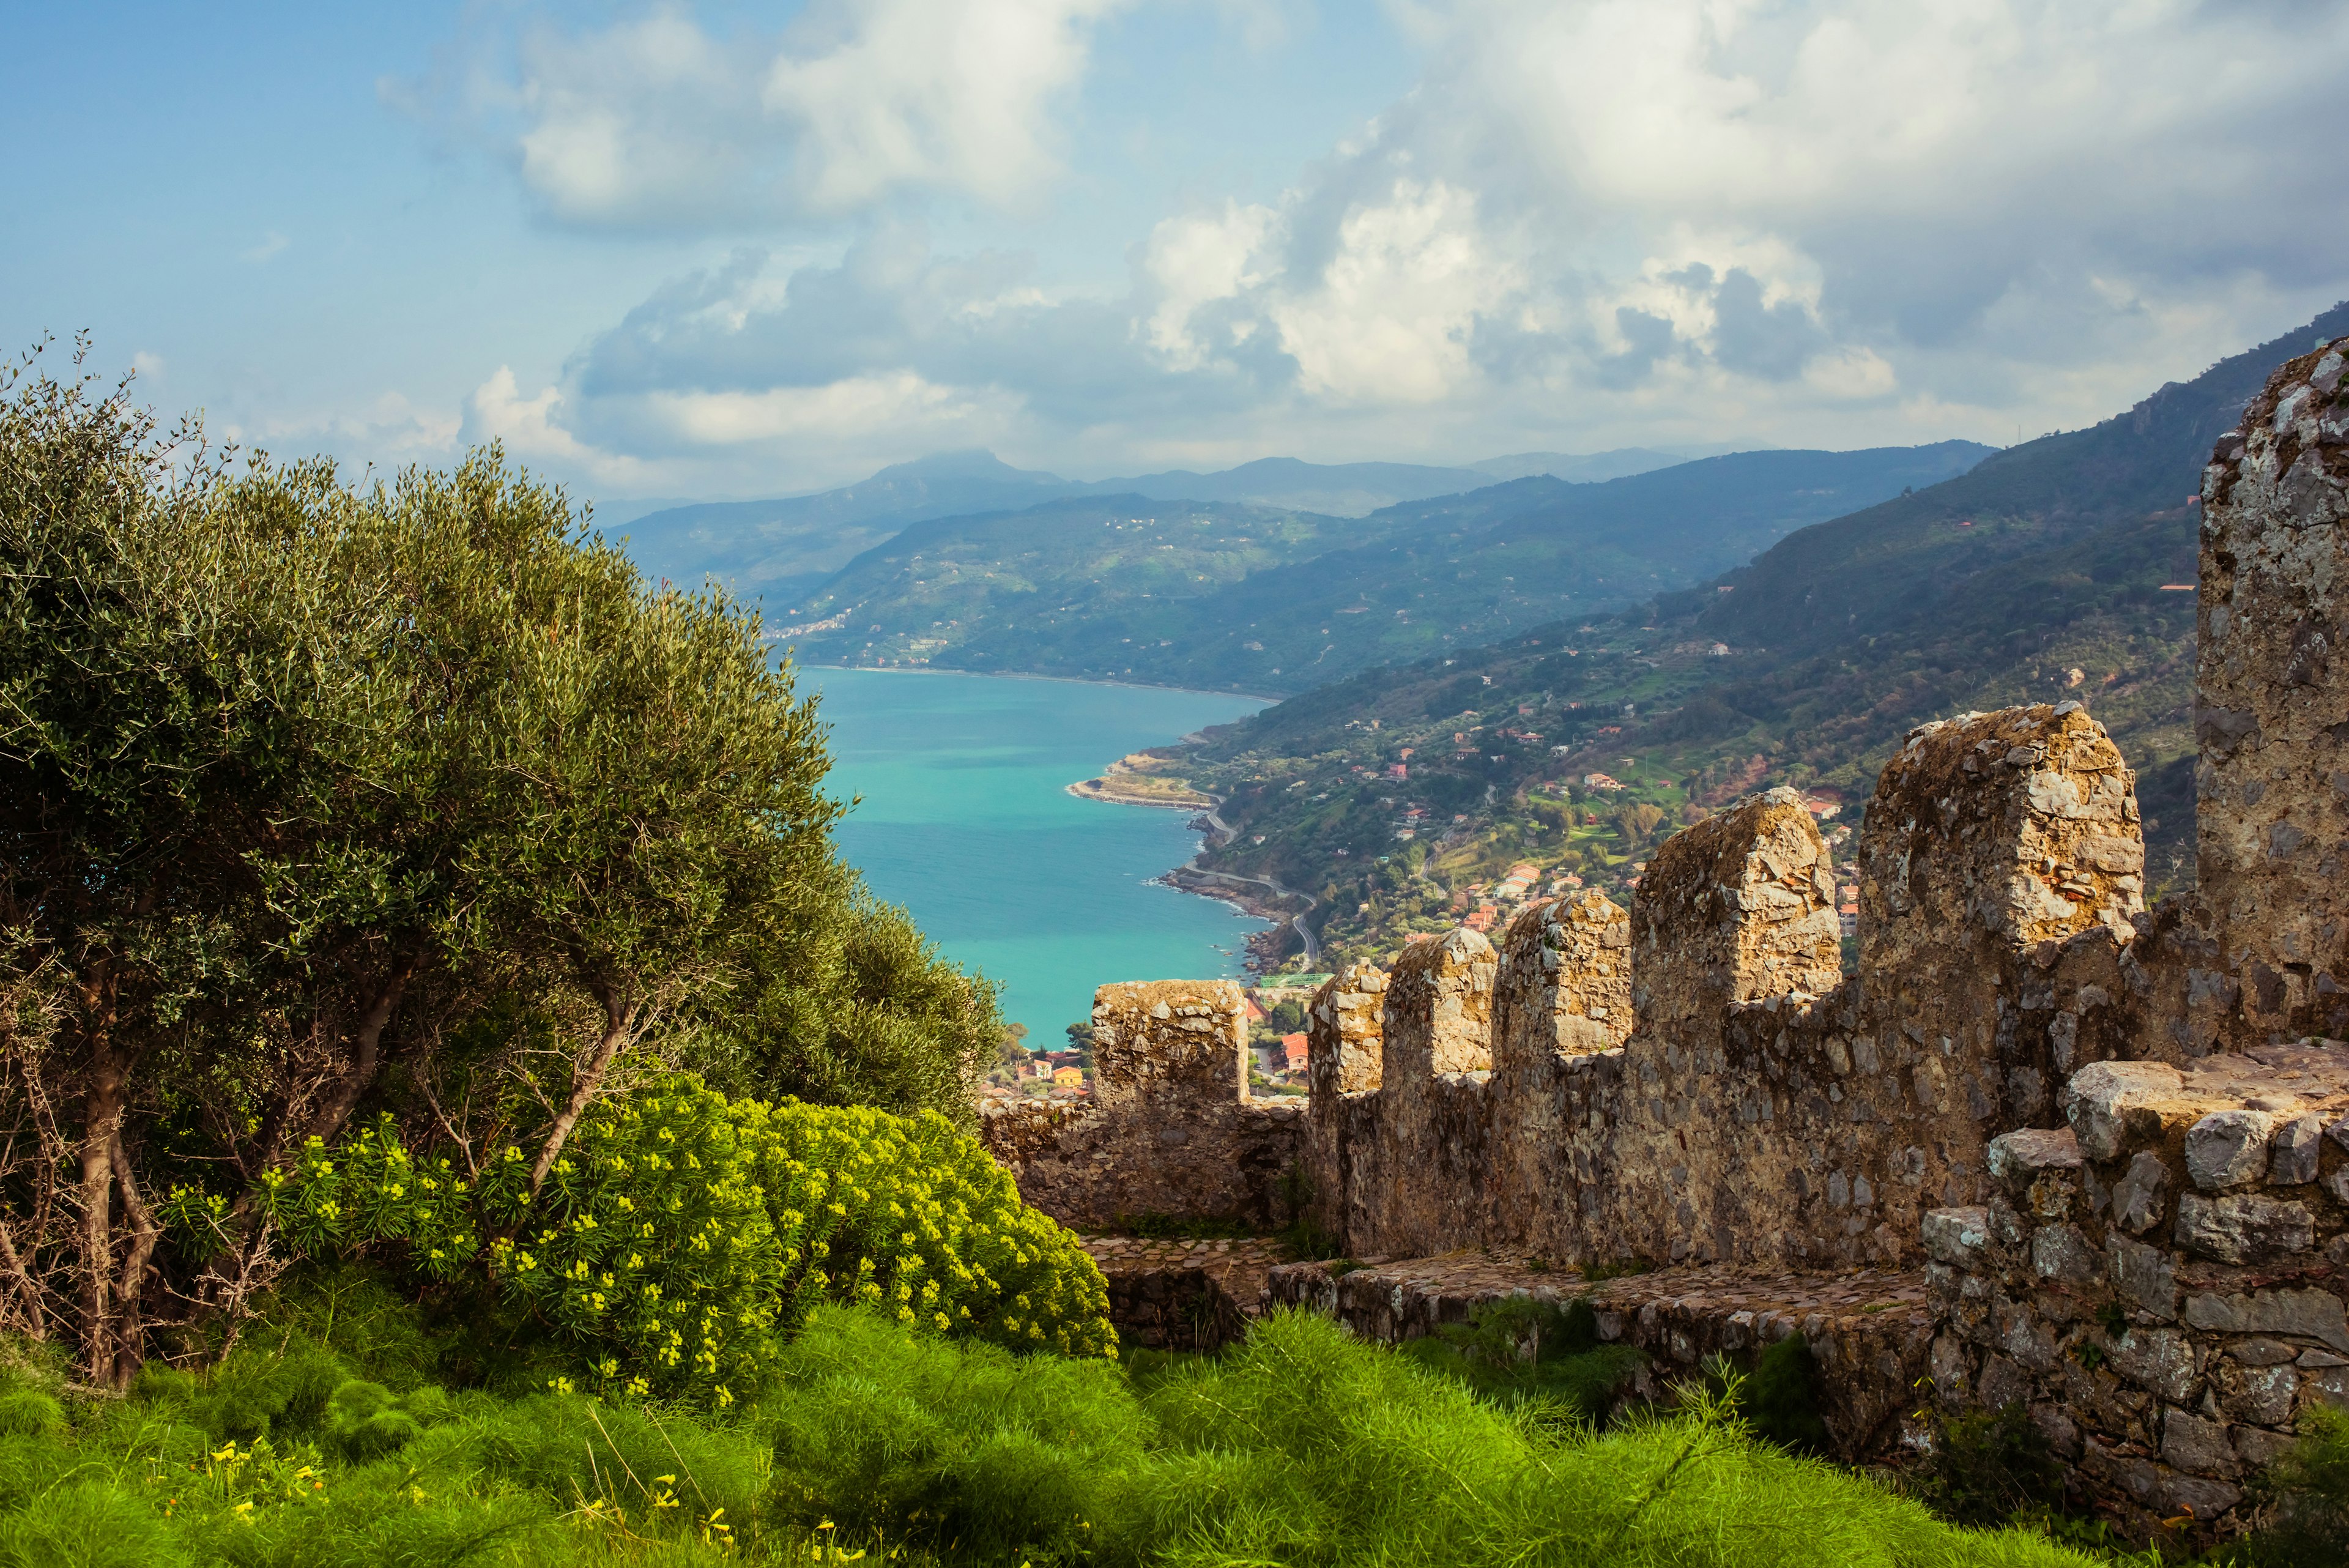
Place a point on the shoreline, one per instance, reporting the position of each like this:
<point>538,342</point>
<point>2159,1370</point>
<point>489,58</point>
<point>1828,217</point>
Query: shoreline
<point>1061,679</point>
<point>1103,789</point>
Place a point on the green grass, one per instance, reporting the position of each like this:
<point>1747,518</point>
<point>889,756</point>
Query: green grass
<point>325,1439</point>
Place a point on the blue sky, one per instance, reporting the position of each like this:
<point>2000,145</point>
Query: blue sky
<point>682,250</point>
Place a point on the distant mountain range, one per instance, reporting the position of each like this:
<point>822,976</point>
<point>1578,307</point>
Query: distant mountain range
<point>2061,568</point>
<point>783,550</point>
<point>1257,597</point>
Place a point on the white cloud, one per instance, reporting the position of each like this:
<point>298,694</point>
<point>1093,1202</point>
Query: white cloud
<point>271,246</point>
<point>532,432</point>
<point>1390,318</point>
<point>654,122</point>
<point>1590,222</point>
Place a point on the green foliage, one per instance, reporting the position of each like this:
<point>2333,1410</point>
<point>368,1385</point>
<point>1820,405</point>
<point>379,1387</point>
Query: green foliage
<point>29,1413</point>
<point>977,1455</point>
<point>1521,1351</point>
<point>1781,1399</point>
<point>2305,1495</point>
<point>1303,1447</point>
<point>683,1236</point>
<point>317,799</point>
<point>1988,1466</point>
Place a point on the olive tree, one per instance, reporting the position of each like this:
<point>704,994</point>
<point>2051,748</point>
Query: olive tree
<point>315,796</point>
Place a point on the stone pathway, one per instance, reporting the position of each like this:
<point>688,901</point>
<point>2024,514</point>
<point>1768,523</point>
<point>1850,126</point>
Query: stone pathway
<point>1870,1330</point>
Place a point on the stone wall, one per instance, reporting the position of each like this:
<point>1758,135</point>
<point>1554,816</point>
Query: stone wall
<point>2159,1282</point>
<point>2132,1185</point>
<point>2271,708</point>
<point>1171,1132</point>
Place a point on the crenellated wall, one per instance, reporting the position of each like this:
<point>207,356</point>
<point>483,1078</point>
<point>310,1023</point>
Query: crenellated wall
<point>2133,1186</point>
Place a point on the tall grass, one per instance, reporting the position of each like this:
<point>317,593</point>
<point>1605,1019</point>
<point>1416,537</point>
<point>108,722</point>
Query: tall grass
<point>331,1440</point>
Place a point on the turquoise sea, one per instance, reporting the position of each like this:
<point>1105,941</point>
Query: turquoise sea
<point>961,817</point>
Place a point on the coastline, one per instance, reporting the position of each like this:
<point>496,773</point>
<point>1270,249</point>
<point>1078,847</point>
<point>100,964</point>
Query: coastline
<point>1060,680</point>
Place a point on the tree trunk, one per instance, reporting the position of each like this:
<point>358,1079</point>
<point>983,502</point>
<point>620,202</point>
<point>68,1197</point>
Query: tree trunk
<point>28,1294</point>
<point>101,1128</point>
<point>618,1016</point>
<point>130,1288</point>
<point>367,1043</point>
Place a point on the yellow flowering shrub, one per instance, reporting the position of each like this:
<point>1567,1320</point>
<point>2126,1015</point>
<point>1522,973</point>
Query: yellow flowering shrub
<point>682,1234</point>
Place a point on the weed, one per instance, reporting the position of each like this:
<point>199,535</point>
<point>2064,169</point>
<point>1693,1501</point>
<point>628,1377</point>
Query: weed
<point>2305,1496</point>
<point>1990,1464</point>
<point>1781,1399</point>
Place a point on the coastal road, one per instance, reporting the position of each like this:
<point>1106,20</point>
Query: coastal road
<point>1304,932</point>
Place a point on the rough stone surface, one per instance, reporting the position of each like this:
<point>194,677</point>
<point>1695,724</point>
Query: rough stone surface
<point>2272,710</point>
<point>1171,1130</point>
<point>1869,1331</point>
<point>2114,1139</point>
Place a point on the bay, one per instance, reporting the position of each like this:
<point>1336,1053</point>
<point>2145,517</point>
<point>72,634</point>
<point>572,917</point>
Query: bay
<point>961,816</point>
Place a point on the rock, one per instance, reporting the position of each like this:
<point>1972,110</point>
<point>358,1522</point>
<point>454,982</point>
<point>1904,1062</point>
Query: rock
<point>2198,1497</point>
<point>2228,1148</point>
<point>2307,1313</point>
<point>1957,1236</point>
<point>2258,1449</point>
<point>2141,1194</point>
<point>2195,1446</point>
<point>2156,1359</point>
<point>2262,1395</point>
<point>2017,1156</point>
<point>2144,1275</point>
<point>2235,1229</point>
<point>2062,1252</point>
<point>2098,1099</point>
<point>2292,1151</point>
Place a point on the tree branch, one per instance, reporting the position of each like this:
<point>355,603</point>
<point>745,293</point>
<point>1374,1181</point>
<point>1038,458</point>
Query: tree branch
<point>619,1014</point>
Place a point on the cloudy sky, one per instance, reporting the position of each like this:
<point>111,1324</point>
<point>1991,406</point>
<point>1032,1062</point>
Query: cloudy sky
<point>715,250</point>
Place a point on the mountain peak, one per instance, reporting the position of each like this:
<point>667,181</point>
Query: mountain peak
<point>974,463</point>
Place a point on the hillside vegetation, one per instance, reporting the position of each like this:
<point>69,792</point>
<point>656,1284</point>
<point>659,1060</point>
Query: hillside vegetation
<point>2062,569</point>
<point>1219,595</point>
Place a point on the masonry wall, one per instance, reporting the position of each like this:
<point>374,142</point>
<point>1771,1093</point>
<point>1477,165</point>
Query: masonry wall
<point>1171,1132</point>
<point>2132,1186</point>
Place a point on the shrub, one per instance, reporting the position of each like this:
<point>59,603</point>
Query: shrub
<point>2306,1494</point>
<point>1987,1466</point>
<point>1520,1351</point>
<point>85,1523</point>
<point>684,1236</point>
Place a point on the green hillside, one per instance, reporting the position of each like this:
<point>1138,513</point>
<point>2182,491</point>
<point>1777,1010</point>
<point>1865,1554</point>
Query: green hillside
<point>1258,599</point>
<point>2059,569</point>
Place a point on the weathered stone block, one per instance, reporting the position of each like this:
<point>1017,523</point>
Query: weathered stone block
<point>2294,1150</point>
<point>2105,1102</point>
<point>2144,1277</point>
<point>2311,1314</point>
<point>2158,1360</point>
<point>1957,1236</point>
<point>1343,1028</point>
<point>2141,1194</point>
<point>2228,1148</point>
<point>2235,1229</point>
<point>1739,908</point>
<point>1438,1015</point>
<point>2197,1447</point>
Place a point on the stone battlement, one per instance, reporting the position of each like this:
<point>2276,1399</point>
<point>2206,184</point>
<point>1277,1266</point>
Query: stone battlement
<point>2088,1123</point>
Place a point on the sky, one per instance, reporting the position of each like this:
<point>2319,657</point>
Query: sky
<point>703,251</point>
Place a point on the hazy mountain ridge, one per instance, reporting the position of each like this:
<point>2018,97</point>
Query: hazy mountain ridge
<point>1306,596</point>
<point>784,548</point>
<point>2062,568</point>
